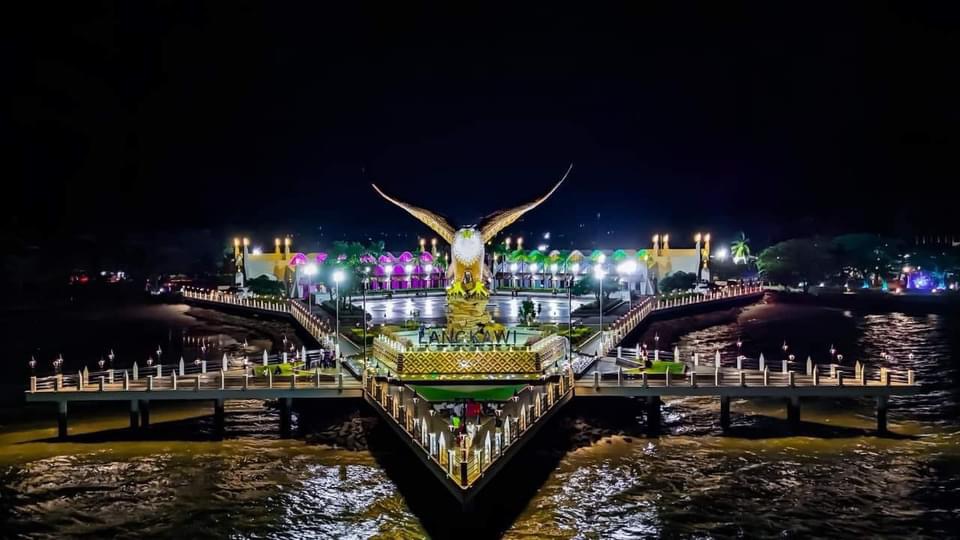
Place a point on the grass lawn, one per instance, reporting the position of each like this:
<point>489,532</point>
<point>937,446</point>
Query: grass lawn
<point>658,368</point>
<point>285,369</point>
<point>450,393</point>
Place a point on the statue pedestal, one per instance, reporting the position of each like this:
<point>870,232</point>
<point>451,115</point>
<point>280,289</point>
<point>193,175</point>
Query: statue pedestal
<point>466,312</point>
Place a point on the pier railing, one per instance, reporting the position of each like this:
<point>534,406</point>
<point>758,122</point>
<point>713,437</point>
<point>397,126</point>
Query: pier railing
<point>317,327</point>
<point>713,370</point>
<point>465,463</point>
<point>626,323</point>
<point>228,372</point>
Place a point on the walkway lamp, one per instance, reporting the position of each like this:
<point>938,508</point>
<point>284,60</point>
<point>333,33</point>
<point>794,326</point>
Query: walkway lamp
<point>337,278</point>
<point>101,363</point>
<point>833,351</point>
<point>159,352</point>
<point>433,244</point>
<point>58,363</point>
<point>149,361</point>
<point>33,364</point>
<point>599,273</point>
<point>110,358</point>
<point>388,270</point>
<point>310,270</point>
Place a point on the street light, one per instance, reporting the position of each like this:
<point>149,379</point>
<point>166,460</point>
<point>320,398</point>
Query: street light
<point>627,268</point>
<point>337,278</point>
<point>310,271</point>
<point>598,273</point>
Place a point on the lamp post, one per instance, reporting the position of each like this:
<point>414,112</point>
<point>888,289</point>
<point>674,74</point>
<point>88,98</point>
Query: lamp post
<point>337,278</point>
<point>310,271</point>
<point>627,268</point>
<point>408,269</point>
<point>363,318</point>
<point>599,273</point>
<point>575,267</point>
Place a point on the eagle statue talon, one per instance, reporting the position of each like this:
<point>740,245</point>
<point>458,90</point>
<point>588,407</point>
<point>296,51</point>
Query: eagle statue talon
<point>480,290</point>
<point>456,289</point>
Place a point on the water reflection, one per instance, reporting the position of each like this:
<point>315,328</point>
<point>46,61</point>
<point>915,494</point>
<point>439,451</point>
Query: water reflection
<point>689,481</point>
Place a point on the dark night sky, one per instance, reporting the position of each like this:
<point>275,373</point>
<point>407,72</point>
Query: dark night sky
<point>243,117</point>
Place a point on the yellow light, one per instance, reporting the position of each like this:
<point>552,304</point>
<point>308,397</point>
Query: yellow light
<point>655,238</point>
<point>707,237</point>
<point>276,242</point>
<point>236,242</point>
<point>286,241</point>
<point>246,242</point>
<point>696,237</point>
<point>666,238</point>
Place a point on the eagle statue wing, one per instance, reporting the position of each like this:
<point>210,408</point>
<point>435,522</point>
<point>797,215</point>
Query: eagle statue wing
<point>435,221</point>
<point>500,220</point>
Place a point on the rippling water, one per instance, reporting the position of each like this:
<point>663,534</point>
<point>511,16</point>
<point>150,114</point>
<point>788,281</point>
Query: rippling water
<point>834,479</point>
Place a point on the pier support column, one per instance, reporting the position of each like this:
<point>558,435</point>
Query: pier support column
<point>653,414</point>
<point>725,412</point>
<point>144,414</point>
<point>62,419</point>
<point>218,417</point>
<point>285,405</point>
<point>134,414</point>
<point>882,414</point>
<point>793,411</point>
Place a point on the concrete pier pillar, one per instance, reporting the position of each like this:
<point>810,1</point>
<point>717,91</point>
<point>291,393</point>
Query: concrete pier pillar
<point>653,414</point>
<point>62,419</point>
<point>134,414</point>
<point>218,416</point>
<point>286,404</point>
<point>793,410</point>
<point>882,414</point>
<point>144,414</point>
<point>725,412</point>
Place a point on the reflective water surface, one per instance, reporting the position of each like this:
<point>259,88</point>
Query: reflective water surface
<point>834,478</point>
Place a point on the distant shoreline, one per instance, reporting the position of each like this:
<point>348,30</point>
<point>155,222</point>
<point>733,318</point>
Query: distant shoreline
<point>875,301</point>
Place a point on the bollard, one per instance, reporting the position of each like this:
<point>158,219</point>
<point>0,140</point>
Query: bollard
<point>173,379</point>
<point>863,376</point>
<point>785,367</point>
<point>196,383</point>
<point>246,381</point>
<point>716,376</point>
<point>763,362</point>
<point>693,379</point>
<point>149,382</point>
<point>126,380</point>
<point>809,366</point>
<point>666,379</point>
<point>743,379</point>
<point>203,366</point>
<point>269,378</point>
<point>159,370</point>
<point>33,384</point>
<point>816,376</point>
<point>740,362</point>
<point>766,376</point>
<point>839,378</point>
<point>102,381</point>
<point>596,380</point>
<point>910,379</point>
<point>791,378</point>
<point>80,380</point>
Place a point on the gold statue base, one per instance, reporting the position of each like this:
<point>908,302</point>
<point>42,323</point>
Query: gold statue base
<point>467,313</point>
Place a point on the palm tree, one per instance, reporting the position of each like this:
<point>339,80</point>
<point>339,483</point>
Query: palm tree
<point>741,249</point>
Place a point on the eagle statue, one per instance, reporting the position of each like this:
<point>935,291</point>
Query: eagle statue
<point>467,273</point>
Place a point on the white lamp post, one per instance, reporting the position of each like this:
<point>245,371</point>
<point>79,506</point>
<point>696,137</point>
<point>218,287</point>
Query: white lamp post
<point>388,270</point>
<point>599,273</point>
<point>310,271</point>
<point>337,278</point>
<point>409,271</point>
